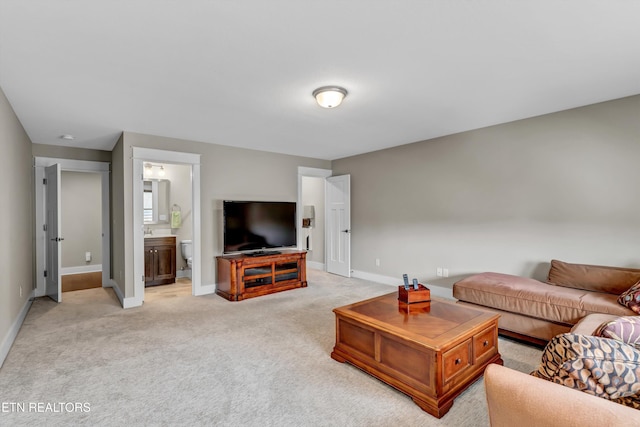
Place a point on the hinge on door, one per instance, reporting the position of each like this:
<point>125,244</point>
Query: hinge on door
<point>143,277</point>
<point>45,273</point>
<point>44,181</point>
<point>44,227</point>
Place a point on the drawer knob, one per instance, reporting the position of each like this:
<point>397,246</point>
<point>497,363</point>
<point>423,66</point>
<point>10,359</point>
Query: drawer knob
<point>458,361</point>
<point>485,343</point>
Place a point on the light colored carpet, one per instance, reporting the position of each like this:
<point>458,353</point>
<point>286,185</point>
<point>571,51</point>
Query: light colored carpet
<point>184,360</point>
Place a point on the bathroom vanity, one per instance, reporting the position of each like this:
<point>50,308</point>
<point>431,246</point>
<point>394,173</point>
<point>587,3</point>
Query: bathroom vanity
<point>159,260</point>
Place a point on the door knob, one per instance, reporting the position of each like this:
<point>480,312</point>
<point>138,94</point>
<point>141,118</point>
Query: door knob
<point>346,231</point>
<point>57,239</point>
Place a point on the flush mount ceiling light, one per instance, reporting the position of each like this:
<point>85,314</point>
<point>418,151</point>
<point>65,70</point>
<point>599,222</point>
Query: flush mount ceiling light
<point>329,96</point>
<point>67,137</point>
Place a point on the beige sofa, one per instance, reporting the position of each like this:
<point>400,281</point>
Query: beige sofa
<point>537,311</point>
<point>518,399</point>
<point>515,398</point>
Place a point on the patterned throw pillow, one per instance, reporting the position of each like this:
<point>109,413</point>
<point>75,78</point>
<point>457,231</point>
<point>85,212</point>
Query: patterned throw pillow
<point>598,366</point>
<point>625,329</point>
<point>631,298</point>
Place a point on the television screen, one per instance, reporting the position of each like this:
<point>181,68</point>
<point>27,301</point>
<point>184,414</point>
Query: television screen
<point>258,225</point>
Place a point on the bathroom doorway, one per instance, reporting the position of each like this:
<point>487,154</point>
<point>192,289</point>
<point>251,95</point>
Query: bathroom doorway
<point>191,161</point>
<point>167,213</point>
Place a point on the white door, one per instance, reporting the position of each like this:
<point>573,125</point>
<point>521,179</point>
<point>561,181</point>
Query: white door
<point>338,207</point>
<point>53,285</point>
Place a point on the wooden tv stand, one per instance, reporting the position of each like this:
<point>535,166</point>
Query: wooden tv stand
<point>244,276</point>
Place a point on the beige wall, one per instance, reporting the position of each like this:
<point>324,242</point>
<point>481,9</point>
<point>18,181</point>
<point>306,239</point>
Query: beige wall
<point>507,198</point>
<point>226,173</point>
<point>81,205</point>
<point>54,151</point>
<point>16,227</point>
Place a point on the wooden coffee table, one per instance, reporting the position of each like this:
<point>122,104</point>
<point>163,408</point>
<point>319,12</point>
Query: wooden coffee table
<point>431,351</point>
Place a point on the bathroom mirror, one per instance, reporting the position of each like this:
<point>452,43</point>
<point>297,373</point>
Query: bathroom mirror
<point>156,201</point>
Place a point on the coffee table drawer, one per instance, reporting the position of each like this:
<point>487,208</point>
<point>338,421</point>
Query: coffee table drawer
<point>456,360</point>
<point>484,343</point>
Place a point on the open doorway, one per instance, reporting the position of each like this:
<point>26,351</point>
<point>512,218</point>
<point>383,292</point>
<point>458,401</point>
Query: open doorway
<point>336,239</point>
<point>142,156</point>
<point>81,251</point>
<point>311,208</point>
<point>167,217</point>
<point>71,258</point>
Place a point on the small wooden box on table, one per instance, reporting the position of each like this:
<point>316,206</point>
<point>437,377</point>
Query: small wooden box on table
<point>244,276</point>
<point>431,351</point>
<point>411,295</point>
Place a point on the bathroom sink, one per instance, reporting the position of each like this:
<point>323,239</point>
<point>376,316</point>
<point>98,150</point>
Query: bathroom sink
<point>159,232</point>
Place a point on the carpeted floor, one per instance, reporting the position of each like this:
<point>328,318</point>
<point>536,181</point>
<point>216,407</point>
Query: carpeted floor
<point>184,360</point>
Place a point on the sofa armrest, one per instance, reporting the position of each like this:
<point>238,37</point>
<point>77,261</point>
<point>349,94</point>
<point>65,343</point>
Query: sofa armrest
<point>518,399</point>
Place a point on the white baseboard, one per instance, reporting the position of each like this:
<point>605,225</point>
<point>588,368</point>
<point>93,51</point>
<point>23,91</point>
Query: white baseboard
<point>315,265</point>
<point>130,302</point>
<point>183,273</point>
<point>8,340</point>
<point>205,290</point>
<point>437,291</point>
<point>81,269</point>
<point>124,302</point>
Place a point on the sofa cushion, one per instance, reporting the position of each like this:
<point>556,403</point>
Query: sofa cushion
<point>631,298</point>
<point>599,366</point>
<point>588,324</point>
<point>613,280</point>
<point>533,298</point>
<point>625,329</point>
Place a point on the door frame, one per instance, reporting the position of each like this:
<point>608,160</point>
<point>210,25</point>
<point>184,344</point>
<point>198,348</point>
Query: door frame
<point>141,155</point>
<point>39,163</point>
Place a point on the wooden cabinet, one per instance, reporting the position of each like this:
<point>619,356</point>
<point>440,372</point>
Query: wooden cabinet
<point>159,260</point>
<point>245,276</point>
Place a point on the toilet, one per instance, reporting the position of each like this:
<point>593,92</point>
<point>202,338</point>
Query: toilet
<point>186,248</point>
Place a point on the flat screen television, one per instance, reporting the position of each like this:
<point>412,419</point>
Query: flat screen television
<point>254,226</point>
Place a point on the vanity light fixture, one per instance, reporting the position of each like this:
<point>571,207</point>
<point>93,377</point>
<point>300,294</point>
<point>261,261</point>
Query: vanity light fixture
<point>148,169</point>
<point>329,96</point>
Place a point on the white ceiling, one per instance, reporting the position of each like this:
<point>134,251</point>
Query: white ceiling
<point>241,72</point>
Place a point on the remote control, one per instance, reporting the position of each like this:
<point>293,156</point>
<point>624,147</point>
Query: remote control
<point>415,284</point>
<point>406,281</point>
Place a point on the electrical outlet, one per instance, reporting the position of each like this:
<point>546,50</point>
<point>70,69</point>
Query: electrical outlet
<point>445,272</point>
<point>439,271</point>
<point>377,262</point>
